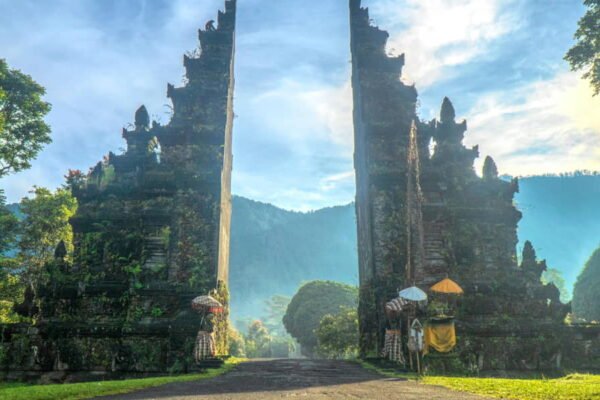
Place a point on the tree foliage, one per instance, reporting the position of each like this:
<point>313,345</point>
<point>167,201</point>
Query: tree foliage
<point>310,304</point>
<point>11,291</point>
<point>275,308</point>
<point>8,226</point>
<point>585,55</point>
<point>237,346</point>
<point>23,131</point>
<point>338,334</point>
<point>10,288</point>
<point>257,341</point>
<point>586,295</point>
<point>2,97</point>
<point>46,224</point>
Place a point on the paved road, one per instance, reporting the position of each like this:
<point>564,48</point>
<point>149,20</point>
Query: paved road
<point>306,379</point>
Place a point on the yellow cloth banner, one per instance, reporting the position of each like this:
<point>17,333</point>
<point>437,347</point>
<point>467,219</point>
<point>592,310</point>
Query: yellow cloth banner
<point>440,337</point>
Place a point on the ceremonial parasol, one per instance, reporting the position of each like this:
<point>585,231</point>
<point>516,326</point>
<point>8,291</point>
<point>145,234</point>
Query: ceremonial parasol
<point>413,293</point>
<point>207,304</point>
<point>396,305</point>
<point>447,286</point>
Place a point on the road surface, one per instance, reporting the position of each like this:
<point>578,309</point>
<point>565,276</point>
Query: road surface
<point>291,379</point>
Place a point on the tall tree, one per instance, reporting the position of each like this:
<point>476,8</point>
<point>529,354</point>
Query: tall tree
<point>8,226</point>
<point>585,55</point>
<point>310,304</point>
<point>23,131</point>
<point>10,289</point>
<point>46,224</point>
<point>237,346</point>
<point>2,97</point>
<point>586,294</point>
<point>257,340</point>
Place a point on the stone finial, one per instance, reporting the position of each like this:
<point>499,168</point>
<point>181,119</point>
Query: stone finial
<point>447,113</point>
<point>490,170</point>
<point>61,251</point>
<point>142,118</point>
<point>528,256</point>
<point>552,292</point>
<point>210,26</point>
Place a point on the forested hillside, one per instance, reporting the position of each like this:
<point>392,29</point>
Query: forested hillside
<point>561,217</point>
<point>273,251</point>
<point>586,297</point>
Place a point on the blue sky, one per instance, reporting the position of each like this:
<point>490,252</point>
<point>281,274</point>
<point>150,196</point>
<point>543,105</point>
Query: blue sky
<point>499,61</point>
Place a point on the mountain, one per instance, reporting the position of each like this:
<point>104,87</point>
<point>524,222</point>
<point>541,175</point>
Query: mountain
<point>273,251</point>
<point>561,217</point>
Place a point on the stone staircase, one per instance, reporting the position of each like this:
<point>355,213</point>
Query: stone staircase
<point>156,254</point>
<point>435,265</point>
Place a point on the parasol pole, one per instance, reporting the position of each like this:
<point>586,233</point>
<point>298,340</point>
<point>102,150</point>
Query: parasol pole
<point>409,258</point>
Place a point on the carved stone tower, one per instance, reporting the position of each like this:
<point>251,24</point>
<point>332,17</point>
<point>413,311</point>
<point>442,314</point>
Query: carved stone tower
<point>423,215</point>
<point>384,110</point>
<point>151,232</point>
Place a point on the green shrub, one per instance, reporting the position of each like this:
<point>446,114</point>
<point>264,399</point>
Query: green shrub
<point>338,334</point>
<point>586,301</point>
<point>310,304</point>
<point>237,346</point>
<point>258,341</point>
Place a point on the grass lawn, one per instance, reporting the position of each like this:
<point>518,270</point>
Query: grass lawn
<point>570,387</point>
<point>75,391</point>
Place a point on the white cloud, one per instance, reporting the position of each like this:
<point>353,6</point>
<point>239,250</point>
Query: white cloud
<point>333,182</point>
<point>292,193</point>
<point>333,107</point>
<point>306,136</point>
<point>549,126</point>
<point>438,34</point>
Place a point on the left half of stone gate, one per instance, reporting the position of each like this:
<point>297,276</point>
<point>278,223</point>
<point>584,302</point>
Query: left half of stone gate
<point>150,234</point>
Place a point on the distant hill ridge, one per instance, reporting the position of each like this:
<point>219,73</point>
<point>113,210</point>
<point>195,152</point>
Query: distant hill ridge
<point>274,250</point>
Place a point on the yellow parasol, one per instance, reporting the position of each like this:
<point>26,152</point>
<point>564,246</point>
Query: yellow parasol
<point>447,286</point>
